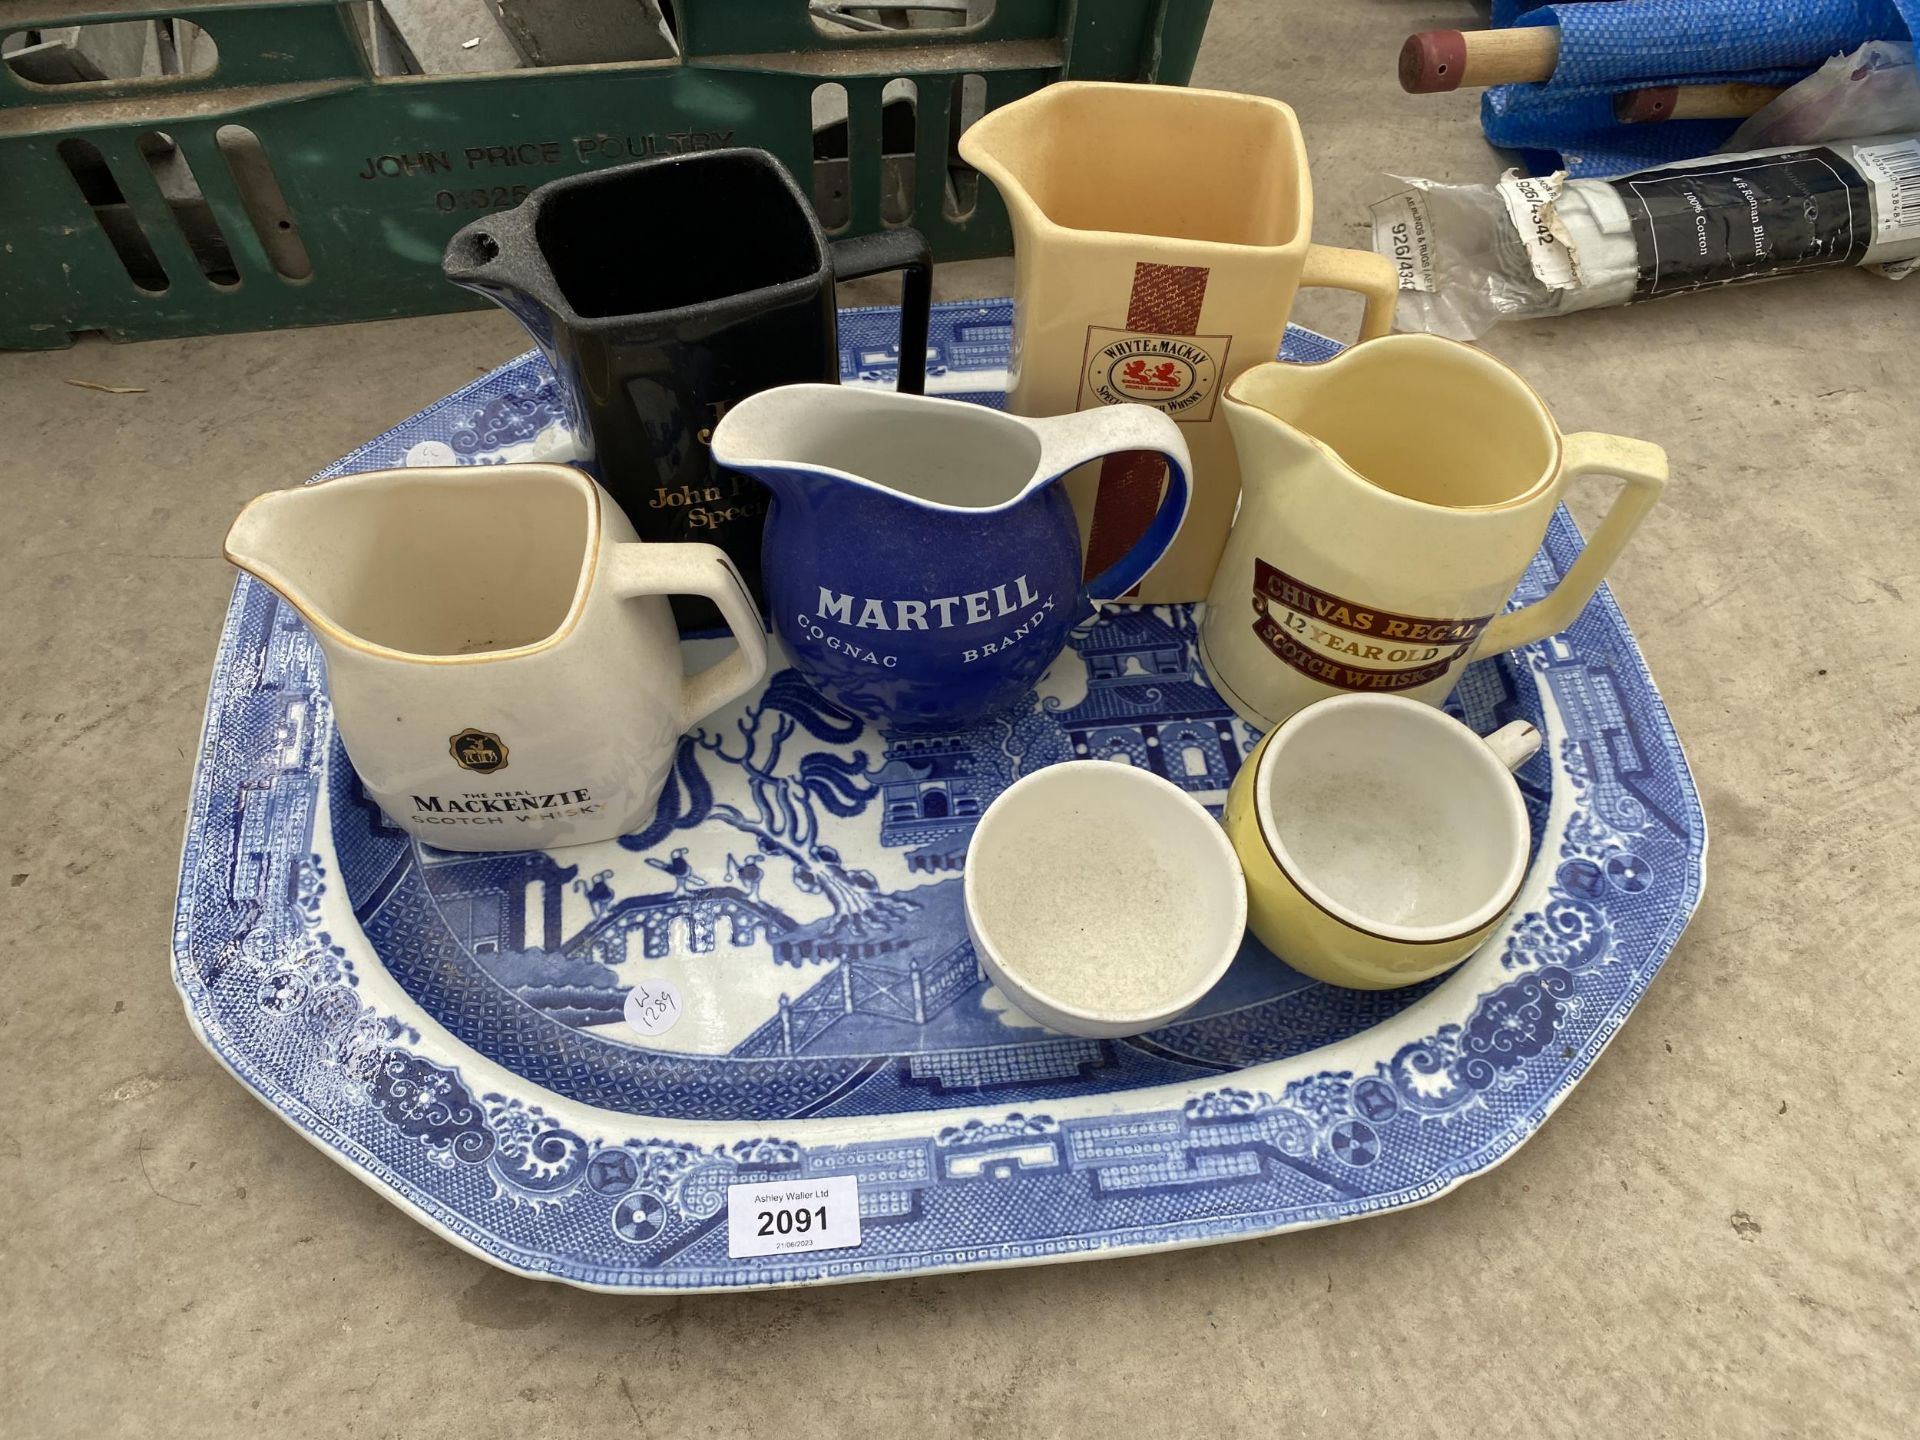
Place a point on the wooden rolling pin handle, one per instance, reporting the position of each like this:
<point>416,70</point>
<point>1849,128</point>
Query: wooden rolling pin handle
<point>1692,102</point>
<point>1432,62</point>
<point>1437,60</point>
<point>1644,107</point>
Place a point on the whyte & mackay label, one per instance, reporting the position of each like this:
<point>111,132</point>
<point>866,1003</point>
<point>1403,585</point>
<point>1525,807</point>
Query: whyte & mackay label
<point>1157,357</point>
<point>1179,374</point>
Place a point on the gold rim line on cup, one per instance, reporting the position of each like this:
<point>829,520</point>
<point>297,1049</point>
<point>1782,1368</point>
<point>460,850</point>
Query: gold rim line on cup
<point>1299,887</point>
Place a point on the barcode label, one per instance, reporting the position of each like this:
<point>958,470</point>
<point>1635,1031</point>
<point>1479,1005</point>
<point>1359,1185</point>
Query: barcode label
<point>1894,173</point>
<point>1403,232</point>
<point>1530,202</point>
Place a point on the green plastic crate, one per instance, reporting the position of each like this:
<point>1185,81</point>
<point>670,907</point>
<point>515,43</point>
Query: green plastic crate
<point>320,192</point>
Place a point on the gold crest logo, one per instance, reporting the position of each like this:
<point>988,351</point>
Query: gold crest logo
<point>479,750</point>
<point>1176,373</point>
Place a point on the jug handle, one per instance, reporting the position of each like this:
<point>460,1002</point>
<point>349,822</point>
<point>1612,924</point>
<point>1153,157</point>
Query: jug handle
<point>1070,441</point>
<point>1373,276</point>
<point>1644,468</point>
<point>906,250</point>
<point>690,568</point>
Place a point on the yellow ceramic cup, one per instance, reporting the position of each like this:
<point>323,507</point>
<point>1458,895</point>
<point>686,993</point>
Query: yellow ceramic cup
<point>1382,840</point>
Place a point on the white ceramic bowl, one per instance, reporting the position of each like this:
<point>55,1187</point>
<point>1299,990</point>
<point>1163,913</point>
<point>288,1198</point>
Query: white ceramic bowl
<point>1101,899</point>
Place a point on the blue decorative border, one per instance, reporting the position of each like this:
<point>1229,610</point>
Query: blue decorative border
<point>294,1002</point>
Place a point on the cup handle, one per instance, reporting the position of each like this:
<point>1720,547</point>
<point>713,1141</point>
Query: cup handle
<point>904,249</point>
<point>690,568</point>
<point>1644,468</point>
<point>1070,441</point>
<point>1513,745</point>
<point>1373,276</point>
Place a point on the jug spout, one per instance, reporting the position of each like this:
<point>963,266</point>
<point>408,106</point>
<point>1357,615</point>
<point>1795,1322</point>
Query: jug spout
<point>1271,410</point>
<point>1203,167</point>
<point>497,256</point>
<point>428,563</point>
<point>281,539</point>
<point>471,253</point>
<point>1402,413</point>
<point>774,437</point>
<point>816,444</point>
<point>1009,146</point>
<point>485,252</point>
<point>1280,392</point>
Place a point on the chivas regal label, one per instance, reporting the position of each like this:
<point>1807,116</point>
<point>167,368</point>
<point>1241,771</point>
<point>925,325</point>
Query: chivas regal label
<point>1351,646</point>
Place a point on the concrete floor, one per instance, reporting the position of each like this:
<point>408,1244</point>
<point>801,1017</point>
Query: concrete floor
<point>1714,1235</point>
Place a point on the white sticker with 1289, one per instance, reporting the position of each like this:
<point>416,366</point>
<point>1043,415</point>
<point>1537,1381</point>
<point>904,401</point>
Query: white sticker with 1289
<point>788,1217</point>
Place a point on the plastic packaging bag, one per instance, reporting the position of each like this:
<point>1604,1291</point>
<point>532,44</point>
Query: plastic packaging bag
<point>1873,91</point>
<point>1471,256</point>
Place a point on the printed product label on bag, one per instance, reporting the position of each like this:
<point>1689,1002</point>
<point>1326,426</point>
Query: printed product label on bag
<point>1403,232</point>
<point>1894,173</point>
<point>1699,227</point>
<point>1179,374</point>
<point>1530,201</point>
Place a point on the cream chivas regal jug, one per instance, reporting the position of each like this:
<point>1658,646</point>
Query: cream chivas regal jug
<point>1394,497</point>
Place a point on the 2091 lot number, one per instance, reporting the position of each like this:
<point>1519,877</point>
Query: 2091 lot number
<point>786,1222</point>
<point>790,1217</point>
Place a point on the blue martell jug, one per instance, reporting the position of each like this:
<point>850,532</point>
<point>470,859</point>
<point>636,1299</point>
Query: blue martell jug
<point>921,563</point>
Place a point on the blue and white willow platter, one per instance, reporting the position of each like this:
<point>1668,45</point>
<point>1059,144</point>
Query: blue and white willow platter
<point>450,1027</point>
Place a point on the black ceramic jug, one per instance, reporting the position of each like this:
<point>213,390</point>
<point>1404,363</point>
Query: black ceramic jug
<point>662,293</point>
